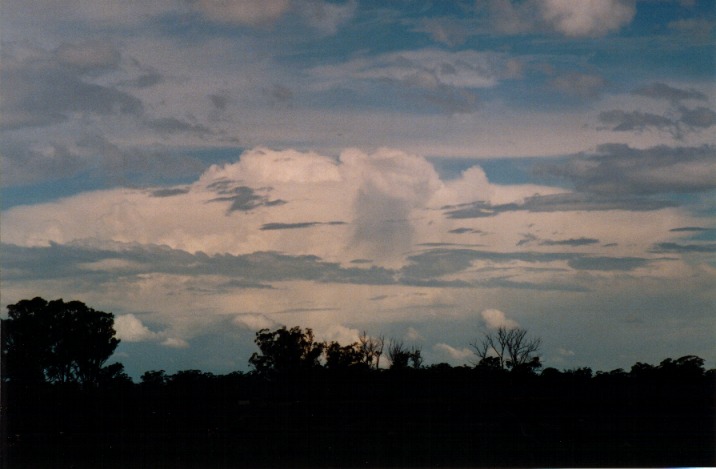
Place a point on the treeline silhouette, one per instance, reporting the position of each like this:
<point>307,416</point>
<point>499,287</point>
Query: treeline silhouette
<point>304,406</point>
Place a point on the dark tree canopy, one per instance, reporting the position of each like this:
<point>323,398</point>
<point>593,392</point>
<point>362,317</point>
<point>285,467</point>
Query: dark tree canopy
<point>286,350</point>
<point>508,349</point>
<point>59,342</point>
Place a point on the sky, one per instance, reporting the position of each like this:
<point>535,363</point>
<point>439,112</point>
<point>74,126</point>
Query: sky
<point>427,171</point>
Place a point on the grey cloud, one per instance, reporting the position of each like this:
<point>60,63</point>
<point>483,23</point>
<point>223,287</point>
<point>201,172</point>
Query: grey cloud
<point>466,230</point>
<point>617,170</point>
<point>569,242</point>
<point>145,80</point>
<point>219,101</point>
<point>242,198</point>
<point>170,192</point>
<point>608,263</point>
<point>505,282</point>
<point>171,125</point>
<point>688,120</point>
<point>684,248</point>
<point>278,94</point>
<point>624,121</point>
<point>558,203</point>
<point>689,229</point>
<point>700,117</point>
<point>46,88</point>
<point>258,269</point>
<point>87,57</point>
<point>291,226</point>
<point>669,93</point>
<point>581,85</point>
<point>449,31</point>
<point>96,157</point>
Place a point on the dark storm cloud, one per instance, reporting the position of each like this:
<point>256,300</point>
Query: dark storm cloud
<point>669,93</point>
<point>619,170</point>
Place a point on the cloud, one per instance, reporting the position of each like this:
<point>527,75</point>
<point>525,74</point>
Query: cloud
<point>684,248</point>
<point>669,93</point>
<point>581,85</point>
<point>565,202</point>
<point>254,321</point>
<point>243,12</point>
<point>687,120</point>
<point>42,87</point>
<point>327,17</point>
<point>619,169</point>
<point>175,342</point>
<point>444,80</point>
<point>494,319</point>
<point>588,18</point>
<point>129,328</point>
<point>569,242</point>
<point>635,121</point>
<point>449,31</point>
<point>464,354</point>
<point>608,263</point>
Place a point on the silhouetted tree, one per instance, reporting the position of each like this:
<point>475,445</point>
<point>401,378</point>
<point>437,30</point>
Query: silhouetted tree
<point>508,349</point>
<point>286,350</point>
<point>401,357</point>
<point>371,349</point>
<point>344,356</point>
<point>59,342</point>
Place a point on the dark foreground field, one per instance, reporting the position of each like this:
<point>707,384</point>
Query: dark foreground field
<point>436,417</point>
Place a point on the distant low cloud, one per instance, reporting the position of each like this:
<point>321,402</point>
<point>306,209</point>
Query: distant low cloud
<point>494,319</point>
<point>464,354</point>
<point>130,329</point>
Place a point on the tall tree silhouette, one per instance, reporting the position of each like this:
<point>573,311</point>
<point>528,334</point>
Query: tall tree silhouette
<point>58,342</point>
<point>286,350</point>
<point>508,348</point>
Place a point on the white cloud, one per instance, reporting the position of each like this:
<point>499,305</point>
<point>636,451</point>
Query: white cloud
<point>254,322</point>
<point>494,318</point>
<point>570,18</point>
<point>129,328</point>
<point>587,17</point>
<point>464,355</point>
<point>413,334</point>
<point>174,342</point>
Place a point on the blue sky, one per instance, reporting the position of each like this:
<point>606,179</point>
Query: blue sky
<point>422,170</point>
